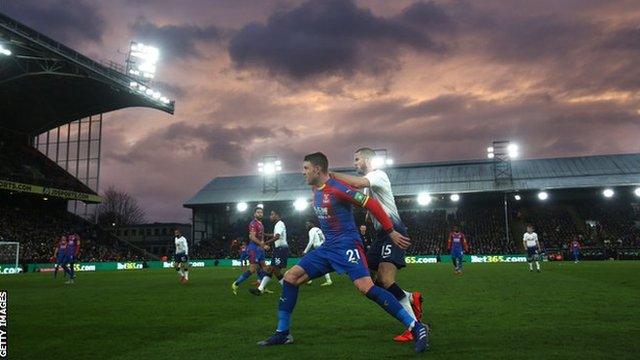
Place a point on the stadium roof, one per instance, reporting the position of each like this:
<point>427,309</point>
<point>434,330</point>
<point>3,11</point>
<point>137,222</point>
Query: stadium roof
<point>445,177</point>
<point>44,84</point>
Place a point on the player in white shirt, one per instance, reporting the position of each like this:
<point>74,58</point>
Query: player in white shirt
<point>181,257</point>
<point>316,239</point>
<point>385,256</point>
<point>280,253</point>
<point>531,243</point>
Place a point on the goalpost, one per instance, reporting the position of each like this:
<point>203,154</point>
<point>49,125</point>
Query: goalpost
<point>9,255</point>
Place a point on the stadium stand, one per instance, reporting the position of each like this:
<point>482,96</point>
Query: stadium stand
<point>45,84</point>
<point>481,215</point>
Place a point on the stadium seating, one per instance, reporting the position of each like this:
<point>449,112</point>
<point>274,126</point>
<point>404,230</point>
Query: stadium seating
<point>38,227</point>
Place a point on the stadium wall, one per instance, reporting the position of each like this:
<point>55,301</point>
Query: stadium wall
<point>139,265</point>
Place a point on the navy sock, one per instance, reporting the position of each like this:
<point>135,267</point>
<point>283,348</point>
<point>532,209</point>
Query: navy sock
<point>72,271</point>
<point>244,276</point>
<point>288,301</point>
<point>396,291</point>
<point>390,304</point>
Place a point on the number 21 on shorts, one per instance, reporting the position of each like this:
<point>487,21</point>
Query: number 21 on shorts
<point>353,255</point>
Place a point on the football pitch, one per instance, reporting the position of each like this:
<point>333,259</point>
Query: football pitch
<point>577,311</point>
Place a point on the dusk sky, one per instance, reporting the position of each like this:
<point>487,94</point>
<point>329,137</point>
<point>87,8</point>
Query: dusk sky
<point>429,81</point>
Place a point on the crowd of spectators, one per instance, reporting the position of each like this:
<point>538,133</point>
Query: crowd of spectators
<point>554,224</point>
<point>38,230</point>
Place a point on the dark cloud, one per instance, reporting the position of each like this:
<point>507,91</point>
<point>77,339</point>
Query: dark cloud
<point>325,37</point>
<point>624,39</point>
<point>176,41</point>
<point>529,39</point>
<point>211,142</point>
<point>460,127</point>
<point>427,16</point>
<point>68,21</point>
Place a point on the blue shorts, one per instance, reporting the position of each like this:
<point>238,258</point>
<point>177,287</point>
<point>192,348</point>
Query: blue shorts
<point>532,254</point>
<point>341,258</point>
<point>456,254</point>
<point>180,258</point>
<point>244,257</point>
<point>280,257</point>
<point>69,259</point>
<point>60,260</point>
<point>384,250</point>
<point>256,255</point>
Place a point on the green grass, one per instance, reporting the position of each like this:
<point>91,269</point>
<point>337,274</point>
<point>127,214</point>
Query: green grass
<point>577,311</point>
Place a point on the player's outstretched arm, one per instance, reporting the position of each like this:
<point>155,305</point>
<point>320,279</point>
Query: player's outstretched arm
<point>363,201</point>
<point>271,238</point>
<point>359,182</point>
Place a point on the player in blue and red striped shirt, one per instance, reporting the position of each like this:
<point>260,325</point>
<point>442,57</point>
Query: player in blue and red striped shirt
<point>59,254</point>
<point>341,251</point>
<point>73,249</point>
<point>575,249</point>
<point>457,244</point>
<point>255,251</point>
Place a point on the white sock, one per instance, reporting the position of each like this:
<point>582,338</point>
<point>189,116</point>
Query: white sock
<point>181,272</point>
<point>407,306</point>
<point>327,278</point>
<point>281,281</point>
<point>537,265</point>
<point>186,274</point>
<point>264,282</point>
<point>530,266</point>
<point>409,295</point>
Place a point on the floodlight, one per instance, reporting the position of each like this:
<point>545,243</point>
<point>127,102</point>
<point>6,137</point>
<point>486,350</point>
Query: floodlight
<point>424,198</point>
<point>5,51</point>
<point>300,204</point>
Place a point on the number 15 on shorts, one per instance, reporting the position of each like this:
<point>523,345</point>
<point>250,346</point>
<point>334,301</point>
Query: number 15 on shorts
<point>386,251</point>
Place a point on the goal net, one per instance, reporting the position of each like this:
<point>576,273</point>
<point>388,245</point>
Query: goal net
<point>9,257</point>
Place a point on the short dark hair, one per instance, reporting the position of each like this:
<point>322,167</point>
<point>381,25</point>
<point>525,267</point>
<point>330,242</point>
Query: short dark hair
<point>277,212</point>
<point>318,159</point>
<point>257,208</point>
<point>366,152</point>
